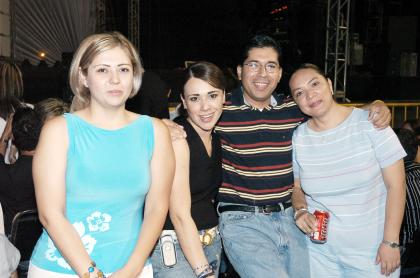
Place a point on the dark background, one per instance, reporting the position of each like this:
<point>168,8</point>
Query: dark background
<point>175,31</point>
<point>172,32</point>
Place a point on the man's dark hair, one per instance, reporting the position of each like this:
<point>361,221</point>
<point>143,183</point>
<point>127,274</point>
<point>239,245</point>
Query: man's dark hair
<point>409,142</point>
<point>260,41</point>
<point>26,127</point>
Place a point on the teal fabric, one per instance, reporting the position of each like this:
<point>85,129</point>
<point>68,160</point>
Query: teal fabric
<point>107,179</point>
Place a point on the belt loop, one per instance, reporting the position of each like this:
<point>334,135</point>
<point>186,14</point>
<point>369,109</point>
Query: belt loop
<point>282,207</point>
<point>217,209</point>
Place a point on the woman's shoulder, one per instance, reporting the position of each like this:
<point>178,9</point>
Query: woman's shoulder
<point>300,129</point>
<point>360,117</point>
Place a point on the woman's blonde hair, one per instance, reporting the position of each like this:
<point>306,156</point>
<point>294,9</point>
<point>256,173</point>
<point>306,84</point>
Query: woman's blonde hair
<point>91,47</point>
<point>50,108</point>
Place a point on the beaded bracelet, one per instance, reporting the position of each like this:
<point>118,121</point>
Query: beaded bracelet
<point>91,269</point>
<point>204,266</point>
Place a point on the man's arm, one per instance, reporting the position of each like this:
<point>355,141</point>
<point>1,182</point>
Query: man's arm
<point>379,113</point>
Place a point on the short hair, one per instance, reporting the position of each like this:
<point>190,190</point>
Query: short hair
<point>50,108</point>
<point>261,41</point>
<point>26,127</point>
<point>91,47</point>
<point>11,87</point>
<point>207,72</point>
<point>409,142</point>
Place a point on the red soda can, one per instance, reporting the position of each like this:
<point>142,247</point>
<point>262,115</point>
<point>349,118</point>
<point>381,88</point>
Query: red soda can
<point>320,234</point>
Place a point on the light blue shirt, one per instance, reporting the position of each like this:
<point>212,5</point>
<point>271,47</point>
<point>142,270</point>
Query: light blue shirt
<point>340,170</point>
<point>107,179</point>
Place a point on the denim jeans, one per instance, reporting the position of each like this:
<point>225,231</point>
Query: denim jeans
<point>264,245</point>
<point>182,268</point>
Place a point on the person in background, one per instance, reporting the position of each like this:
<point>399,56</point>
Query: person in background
<point>343,165</point>
<point>102,197</point>
<point>11,90</point>
<point>192,227</point>
<point>411,220</point>
<point>417,134</point>
<point>11,93</point>
<point>410,124</point>
<point>16,184</point>
<point>9,258</point>
<point>50,108</point>
<point>152,99</point>
<point>9,255</point>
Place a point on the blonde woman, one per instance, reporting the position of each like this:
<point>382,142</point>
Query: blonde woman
<point>101,194</point>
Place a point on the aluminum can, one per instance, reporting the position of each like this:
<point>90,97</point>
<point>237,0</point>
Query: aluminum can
<point>320,234</point>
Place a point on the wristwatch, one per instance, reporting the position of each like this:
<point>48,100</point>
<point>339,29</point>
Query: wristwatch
<point>391,243</point>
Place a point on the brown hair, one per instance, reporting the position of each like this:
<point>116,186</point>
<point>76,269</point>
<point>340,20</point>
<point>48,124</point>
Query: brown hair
<point>11,88</point>
<point>89,48</point>
<point>207,72</point>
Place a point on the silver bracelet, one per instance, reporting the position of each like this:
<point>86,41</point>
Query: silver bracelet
<point>299,210</point>
<point>390,243</point>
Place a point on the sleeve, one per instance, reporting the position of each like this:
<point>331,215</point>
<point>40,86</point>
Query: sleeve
<point>9,257</point>
<point>387,147</point>
<point>296,167</point>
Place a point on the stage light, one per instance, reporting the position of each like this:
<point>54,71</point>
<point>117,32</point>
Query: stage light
<point>42,55</point>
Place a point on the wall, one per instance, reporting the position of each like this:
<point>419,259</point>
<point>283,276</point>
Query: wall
<point>4,28</point>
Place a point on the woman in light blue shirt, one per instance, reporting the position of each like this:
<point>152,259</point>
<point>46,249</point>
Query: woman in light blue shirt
<point>101,193</point>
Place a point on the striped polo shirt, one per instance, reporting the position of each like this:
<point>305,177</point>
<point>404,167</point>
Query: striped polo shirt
<point>257,150</point>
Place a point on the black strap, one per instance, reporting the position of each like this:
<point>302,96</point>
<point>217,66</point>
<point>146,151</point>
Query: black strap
<point>261,209</point>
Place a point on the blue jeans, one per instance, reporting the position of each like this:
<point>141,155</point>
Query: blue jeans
<point>264,245</point>
<point>182,268</point>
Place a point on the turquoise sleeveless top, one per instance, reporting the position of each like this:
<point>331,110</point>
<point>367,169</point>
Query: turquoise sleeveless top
<point>107,179</point>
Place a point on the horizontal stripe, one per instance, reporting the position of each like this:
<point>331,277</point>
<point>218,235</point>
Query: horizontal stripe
<point>257,191</point>
<point>258,168</point>
<point>224,190</point>
<point>258,122</point>
<point>257,174</point>
<point>257,150</point>
<point>266,127</point>
<point>259,144</point>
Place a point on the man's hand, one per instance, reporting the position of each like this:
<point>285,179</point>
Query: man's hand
<point>177,132</point>
<point>379,114</point>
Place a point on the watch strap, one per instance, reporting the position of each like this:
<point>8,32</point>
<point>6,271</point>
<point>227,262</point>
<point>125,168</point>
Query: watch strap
<point>391,244</point>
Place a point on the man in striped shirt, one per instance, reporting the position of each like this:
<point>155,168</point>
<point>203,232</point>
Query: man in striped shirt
<point>256,218</point>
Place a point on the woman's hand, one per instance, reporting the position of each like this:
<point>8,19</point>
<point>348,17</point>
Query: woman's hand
<point>306,221</point>
<point>389,258</point>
